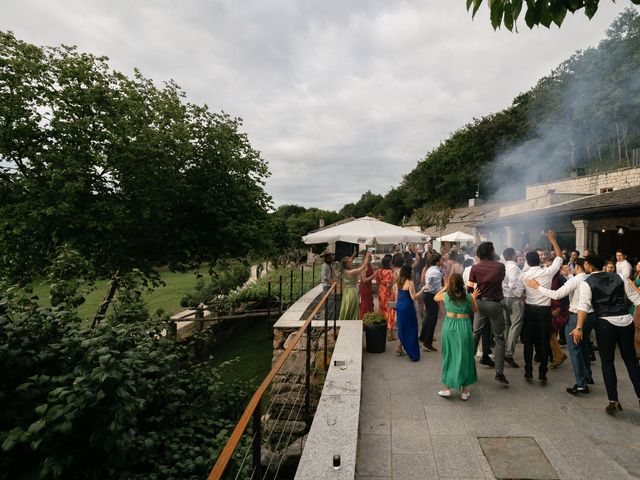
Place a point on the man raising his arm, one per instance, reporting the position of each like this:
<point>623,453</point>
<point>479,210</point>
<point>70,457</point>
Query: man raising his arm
<point>536,328</point>
<point>578,352</point>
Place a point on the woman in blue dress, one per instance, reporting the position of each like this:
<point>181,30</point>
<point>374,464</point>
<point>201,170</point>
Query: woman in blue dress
<point>406,314</point>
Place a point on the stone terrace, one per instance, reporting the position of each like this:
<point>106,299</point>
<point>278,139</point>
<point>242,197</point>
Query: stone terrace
<point>407,432</point>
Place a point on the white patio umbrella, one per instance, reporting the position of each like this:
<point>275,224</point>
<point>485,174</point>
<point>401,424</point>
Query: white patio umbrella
<point>457,237</point>
<point>367,231</point>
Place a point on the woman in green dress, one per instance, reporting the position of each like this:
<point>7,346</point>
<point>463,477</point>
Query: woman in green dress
<point>349,306</point>
<point>458,364</point>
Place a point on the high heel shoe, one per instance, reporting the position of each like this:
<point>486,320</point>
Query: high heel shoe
<point>613,407</point>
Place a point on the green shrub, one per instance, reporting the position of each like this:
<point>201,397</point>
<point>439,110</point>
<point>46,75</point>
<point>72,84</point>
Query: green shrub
<point>223,279</point>
<point>120,401</point>
<point>373,318</point>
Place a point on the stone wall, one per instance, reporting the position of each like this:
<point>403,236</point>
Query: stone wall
<point>592,184</point>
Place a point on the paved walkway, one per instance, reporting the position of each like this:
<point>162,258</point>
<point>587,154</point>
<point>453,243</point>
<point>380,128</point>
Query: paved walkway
<point>407,432</point>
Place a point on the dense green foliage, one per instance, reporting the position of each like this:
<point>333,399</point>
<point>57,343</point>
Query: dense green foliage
<point>585,114</point>
<point>219,283</point>
<point>537,12</point>
<point>127,173</point>
<point>287,226</point>
<point>257,293</point>
<point>116,402</point>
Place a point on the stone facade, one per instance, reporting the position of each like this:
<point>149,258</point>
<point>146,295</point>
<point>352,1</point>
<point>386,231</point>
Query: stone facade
<point>590,185</point>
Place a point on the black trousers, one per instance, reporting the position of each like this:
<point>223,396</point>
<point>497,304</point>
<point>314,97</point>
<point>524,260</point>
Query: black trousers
<point>609,336</point>
<point>536,332</point>
<point>430,318</point>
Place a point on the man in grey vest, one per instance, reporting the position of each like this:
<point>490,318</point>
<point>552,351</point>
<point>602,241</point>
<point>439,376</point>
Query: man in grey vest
<point>606,293</point>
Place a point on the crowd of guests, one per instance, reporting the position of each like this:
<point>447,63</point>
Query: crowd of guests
<point>542,299</point>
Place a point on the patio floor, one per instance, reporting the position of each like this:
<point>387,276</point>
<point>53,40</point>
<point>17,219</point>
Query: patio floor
<point>407,432</point>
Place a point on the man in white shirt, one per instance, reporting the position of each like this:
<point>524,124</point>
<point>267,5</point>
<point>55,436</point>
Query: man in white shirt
<point>623,267</point>
<point>536,326</point>
<point>606,293</point>
<point>513,303</point>
<point>572,261</point>
<point>578,352</point>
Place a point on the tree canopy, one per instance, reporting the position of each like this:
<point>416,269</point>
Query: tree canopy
<point>536,12</point>
<point>128,173</point>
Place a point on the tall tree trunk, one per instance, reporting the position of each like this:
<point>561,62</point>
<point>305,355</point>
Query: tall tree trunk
<point>106,301</point>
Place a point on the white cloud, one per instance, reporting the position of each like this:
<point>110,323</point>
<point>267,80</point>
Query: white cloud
<point>340,96</point>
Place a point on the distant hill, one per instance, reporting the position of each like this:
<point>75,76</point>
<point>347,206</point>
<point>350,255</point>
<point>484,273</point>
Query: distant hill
<point>584,115</point>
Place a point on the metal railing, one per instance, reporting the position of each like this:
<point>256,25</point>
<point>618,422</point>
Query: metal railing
<point>291,388</point>
<point>281,294</point>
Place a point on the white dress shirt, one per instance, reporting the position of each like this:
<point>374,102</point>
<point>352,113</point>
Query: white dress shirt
<point>465,275</point>
<point>584,303</point>
<point>512,285</point>
<point>624,269</point>
<point>570,288</point>
<point>544,276</point>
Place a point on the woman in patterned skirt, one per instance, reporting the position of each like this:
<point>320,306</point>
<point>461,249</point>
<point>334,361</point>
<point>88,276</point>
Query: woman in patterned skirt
<point>384,278</point>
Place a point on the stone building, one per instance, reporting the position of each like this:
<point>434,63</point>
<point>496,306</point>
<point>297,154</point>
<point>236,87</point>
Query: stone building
<point>600,212</point>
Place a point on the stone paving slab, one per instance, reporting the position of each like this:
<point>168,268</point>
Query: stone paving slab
<point>420,435</point>
<point>506,454</point>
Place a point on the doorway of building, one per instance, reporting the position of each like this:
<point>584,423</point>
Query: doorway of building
<point>609,241</point>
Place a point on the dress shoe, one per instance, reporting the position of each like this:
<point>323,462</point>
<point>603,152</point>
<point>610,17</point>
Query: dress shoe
<point>511,362</point>
<point>528,373</point>
<point>590,381</point>
<point>429,348</point>
<point>575,390</point>
<point>488,362</point>
<point>542,377</point>
<point>502,379</point>
<point>613,407</point>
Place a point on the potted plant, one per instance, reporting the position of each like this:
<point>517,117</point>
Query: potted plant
<point>375,331</point>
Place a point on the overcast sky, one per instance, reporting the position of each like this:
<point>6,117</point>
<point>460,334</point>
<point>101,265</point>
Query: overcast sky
<point>340,96</point>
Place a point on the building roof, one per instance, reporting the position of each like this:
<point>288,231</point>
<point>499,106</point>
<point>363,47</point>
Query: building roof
<point>465,219</point>
<point>625,198</point>
<point>335,224</point>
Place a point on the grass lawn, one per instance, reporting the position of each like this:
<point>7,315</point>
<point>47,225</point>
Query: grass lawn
<point>254,350</point>
<point>168,297</point>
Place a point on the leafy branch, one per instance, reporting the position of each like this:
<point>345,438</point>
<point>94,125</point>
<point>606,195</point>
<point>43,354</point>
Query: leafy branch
<point>537,12</point>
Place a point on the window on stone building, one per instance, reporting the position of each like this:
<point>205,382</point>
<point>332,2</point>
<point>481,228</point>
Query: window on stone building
<point>606,190</point>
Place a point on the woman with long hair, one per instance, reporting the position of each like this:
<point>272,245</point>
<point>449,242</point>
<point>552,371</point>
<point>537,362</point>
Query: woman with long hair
<point>406,314</point>
<point>384,278</point>
<point>458,364</point>
<point>365,288</point>
<point>349,306</point>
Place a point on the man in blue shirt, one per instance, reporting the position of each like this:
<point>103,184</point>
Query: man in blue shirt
<point>434,281</point>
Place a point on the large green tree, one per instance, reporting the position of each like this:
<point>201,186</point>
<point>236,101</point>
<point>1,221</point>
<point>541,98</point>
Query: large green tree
<point>128,173</point>
<point>288,223</point>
